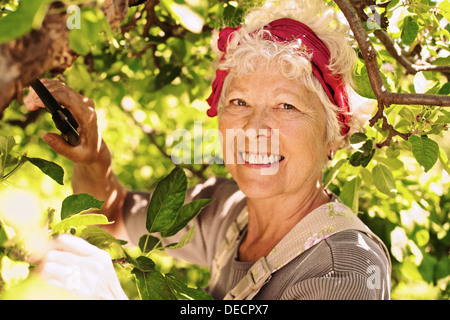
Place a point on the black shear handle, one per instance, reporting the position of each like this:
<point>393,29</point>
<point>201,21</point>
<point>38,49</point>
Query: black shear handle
<point>63,119</point>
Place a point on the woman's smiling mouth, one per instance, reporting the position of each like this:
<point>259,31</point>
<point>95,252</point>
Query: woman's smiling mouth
<point>260,159</point>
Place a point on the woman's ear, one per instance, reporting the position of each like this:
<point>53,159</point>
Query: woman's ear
<point>332,148</point>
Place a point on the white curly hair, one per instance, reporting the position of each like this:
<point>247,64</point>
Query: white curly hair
<point>248,47</point>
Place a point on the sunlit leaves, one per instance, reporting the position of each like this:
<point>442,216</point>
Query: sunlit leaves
<point>362,83</point>
<point>186,14</point>
<point>11,162</point>
<point>80,220</point>
<point>365,151</point>
<point>29,15</point>
<point>91,30</point>
<point>166,200</point>
<point>425,150</point>
<point>77,203</point>
<point>410,30</point>
<point>153,285</point>
<point>384,180</point>
<point>350,193</point>
<point>53,170</point>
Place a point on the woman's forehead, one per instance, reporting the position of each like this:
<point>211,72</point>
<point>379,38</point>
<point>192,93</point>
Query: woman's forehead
<point>260,80</point>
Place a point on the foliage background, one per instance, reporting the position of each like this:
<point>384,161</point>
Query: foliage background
<point>148,79</point>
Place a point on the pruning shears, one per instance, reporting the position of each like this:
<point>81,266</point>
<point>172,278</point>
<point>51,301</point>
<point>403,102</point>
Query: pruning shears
<point>63,119</point>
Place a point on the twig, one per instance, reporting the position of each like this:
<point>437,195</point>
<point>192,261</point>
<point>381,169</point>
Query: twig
<point>387,127</point>
<point>369,55</point>
<point>199,173</point>
<point>384,97</point>
<point>397,53</point>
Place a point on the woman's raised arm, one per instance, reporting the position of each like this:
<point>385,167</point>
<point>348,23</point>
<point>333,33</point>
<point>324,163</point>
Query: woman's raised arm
<point>92,171</point>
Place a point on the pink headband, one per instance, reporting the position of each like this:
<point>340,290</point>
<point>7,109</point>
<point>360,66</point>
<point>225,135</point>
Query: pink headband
<point>283,31</point>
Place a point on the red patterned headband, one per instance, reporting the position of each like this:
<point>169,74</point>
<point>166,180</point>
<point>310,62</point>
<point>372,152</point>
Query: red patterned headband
<point>283,31</point>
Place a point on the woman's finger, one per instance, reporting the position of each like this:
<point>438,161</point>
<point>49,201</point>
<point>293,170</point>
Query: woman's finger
<point>80,106</point>
<point>57,143</point>
<point>77,246</point>
<point>32,101</point>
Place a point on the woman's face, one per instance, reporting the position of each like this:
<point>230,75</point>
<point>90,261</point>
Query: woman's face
<point>285,147</point>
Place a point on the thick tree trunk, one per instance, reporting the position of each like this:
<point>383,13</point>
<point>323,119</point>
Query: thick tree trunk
<point>44,50</point>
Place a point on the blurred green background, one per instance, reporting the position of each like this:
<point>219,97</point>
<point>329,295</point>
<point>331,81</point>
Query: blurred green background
<point>148,80</point>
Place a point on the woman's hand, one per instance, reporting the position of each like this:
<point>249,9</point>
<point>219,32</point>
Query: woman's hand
<point>75,265</point>
<point>92,170</point>
<point>91,148</point>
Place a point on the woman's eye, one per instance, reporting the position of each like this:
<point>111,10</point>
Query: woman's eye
<point>238,102</point>
<point>287,106</point>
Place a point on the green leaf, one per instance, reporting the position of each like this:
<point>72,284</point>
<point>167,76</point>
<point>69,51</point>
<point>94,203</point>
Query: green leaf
<point>103,240</point>
<point>148,242</point>
<point>78,42</point>
<point>3,235</point>
<point>184,240</point>
<point>152,285</point>
<point>445,89</point>
<point>384,180</point>
<point>362,83</point>
<point>76,203</point>
<point>29,15</point>
<point>425,150</point>
<point>409,31</point>
<point>444,8</point>
<point>356,158</point>
<point>50,168</point>
<point>186,214</point>
<point>332,173</point>
<point>80,220</point>
<point>407,114</point>
<point>358,137</point>
<point>444,160</point>
<point>145,264</point>
<point>92,24</point>
<point>166,200</point>
<point>183,292</point>
<point>6,145</point>
<point>350,194</point>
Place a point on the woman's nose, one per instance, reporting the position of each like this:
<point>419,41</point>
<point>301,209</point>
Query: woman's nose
<point>258,120</point>
<point>258,131</point>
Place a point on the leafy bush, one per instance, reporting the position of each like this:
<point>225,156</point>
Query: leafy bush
<point>152,75</point>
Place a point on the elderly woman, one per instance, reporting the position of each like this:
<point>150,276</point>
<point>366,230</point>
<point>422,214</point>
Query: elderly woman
<point>272,232</point>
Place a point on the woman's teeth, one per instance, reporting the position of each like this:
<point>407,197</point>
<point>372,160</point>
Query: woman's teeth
<point>254,158</point>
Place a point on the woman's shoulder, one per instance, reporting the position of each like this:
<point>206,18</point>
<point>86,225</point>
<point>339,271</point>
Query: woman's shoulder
<point>347,265</point>
<point>355,250</point>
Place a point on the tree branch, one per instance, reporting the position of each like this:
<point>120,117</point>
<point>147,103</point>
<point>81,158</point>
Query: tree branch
<point>150,133</point>
<point>44,50</point>
<point>369,55</point>
<point>384,97</point>
<point>394,50</point>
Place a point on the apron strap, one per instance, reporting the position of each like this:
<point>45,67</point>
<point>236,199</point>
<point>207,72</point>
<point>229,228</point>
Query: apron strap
<point>318,225</point>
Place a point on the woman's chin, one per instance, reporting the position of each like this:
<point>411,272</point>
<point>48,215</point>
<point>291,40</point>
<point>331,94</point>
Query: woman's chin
<point>258,187</point>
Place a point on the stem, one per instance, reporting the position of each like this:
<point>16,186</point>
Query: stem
<point>370,57</point>
<point>21,162</point>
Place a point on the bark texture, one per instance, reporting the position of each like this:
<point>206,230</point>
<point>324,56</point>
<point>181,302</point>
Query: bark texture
<point>44,50</point>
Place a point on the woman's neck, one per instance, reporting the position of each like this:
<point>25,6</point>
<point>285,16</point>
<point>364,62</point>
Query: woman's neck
<point>269,220</point>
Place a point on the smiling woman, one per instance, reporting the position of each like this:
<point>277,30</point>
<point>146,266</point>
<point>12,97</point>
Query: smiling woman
<point>281,101</point>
